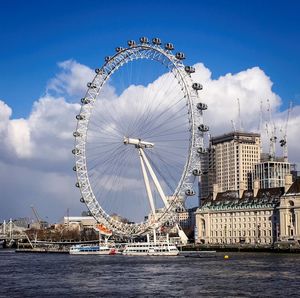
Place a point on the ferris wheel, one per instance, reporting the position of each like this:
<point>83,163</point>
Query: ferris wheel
<point>139,138</point>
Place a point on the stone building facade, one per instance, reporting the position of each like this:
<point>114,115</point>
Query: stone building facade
<point>255,217</point>
<point>289,213</point>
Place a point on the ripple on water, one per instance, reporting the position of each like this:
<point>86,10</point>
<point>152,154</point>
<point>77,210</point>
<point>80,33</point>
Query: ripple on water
<point>243,275</point>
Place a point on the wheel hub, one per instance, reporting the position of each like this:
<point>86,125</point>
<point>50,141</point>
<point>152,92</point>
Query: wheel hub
<point>137,142</point>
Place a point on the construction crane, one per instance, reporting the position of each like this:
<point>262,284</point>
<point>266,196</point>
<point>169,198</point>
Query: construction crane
<point>233,125</point>
<point>260,124</point>
<point>240,123</point>
<point>38,218</point>
<point>283,141</point>
<point>271,132</point>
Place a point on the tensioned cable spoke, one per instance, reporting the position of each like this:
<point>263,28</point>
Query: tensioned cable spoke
<point>157,114</point>
<point>113,181</point>
<point>104,121</point>
<point>153,99</point>
<point>173,128</point>
<point>138,103</point>
<point>113,164</point>
<point>110,157</point>
<point>165,122</point>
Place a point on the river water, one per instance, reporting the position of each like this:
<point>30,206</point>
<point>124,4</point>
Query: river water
<point>62,275</point>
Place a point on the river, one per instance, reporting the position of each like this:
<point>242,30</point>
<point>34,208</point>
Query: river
<point>62,275</point>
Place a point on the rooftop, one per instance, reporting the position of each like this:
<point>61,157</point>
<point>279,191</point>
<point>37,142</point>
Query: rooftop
<point>295,187</point>
<point>248,137</point>
<point>228,200</point>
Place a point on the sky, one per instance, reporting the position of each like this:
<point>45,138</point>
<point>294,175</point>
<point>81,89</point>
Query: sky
<point>48,52</point>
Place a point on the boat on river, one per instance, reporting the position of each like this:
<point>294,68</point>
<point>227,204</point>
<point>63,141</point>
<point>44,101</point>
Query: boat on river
<point>104,247</point>
<point>157,248</point>
<point>84,249</point>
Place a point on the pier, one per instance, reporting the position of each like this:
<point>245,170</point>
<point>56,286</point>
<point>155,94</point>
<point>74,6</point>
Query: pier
<point>11,234</point>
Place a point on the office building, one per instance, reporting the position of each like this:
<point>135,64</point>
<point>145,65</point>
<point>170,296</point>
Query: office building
<point>231,158</point>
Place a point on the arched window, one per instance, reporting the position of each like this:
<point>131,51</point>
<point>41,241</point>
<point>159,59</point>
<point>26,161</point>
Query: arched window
<point>203,227</point>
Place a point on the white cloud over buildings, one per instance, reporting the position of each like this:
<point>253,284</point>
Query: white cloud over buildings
<point>36,160</point>
<point>72,78</point>
<point>251,87</point>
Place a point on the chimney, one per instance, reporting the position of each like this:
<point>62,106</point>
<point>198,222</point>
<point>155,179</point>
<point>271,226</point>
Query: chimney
<point>255,187</point>
<point>241,189</point>
<point>288,181</point>
<point>215,190</point>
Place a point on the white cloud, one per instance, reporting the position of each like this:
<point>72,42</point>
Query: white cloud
<point>251,87</point>
<point>72,79</point>
<point>5,113</point>
<point>36,151</point>
<point>46,135</point>
<point>51,193</point>
<point>18,136</point>
<point>52,122</point>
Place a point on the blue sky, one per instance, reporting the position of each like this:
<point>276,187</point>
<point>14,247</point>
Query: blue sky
<point>227,36</point>
<point>55,45</point>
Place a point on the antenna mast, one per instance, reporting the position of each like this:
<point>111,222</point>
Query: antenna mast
<point>283,141</point>
<point>240,125</point>
<point>233,125</point>
<point>260,124</point>
<point>271,131</point>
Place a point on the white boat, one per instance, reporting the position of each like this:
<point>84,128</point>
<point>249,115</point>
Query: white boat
<point>102,248</point>
<point>84,249</point>
<point>158,248</point>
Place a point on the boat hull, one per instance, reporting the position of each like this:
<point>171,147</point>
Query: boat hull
<point>92,250</point>
<point>150,249</point>
<point>89,253</point>
<point>150,254</point>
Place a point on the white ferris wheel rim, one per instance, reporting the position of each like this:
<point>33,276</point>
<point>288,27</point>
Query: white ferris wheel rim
<point>143,50</point>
